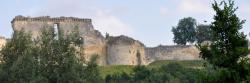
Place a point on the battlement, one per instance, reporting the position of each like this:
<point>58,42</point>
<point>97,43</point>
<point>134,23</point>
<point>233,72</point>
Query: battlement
<point>48,18</point>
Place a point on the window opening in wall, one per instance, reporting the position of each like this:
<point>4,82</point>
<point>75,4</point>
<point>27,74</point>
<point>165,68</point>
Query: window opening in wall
<point>55,27</point>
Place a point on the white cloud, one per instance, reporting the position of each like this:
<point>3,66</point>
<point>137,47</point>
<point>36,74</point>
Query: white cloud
<point>111,24</point>
<point>104,20</point>
<point>194,6</point>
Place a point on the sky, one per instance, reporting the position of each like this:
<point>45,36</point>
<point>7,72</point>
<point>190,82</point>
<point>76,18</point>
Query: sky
<point>149,21</point>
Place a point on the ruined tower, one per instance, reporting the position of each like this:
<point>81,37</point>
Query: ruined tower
<point>123,50</point>
<point>94,42</point>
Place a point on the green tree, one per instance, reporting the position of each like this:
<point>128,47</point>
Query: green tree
<point>92,74</point>
<point>51,58</point>
<point>184,32</point>
<point>203,33</point>
<point>141,75</point>
<point>43,60</point>
<point>107,35</point>
<point>59,63</point>
<point>118,78</point>
<point>19,65</point>
<point>229,46</point>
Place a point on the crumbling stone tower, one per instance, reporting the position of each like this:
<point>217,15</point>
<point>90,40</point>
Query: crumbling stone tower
<point>94,42</point>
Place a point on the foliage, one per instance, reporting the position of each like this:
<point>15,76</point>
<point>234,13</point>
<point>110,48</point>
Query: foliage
<point>18,65</point>
<point>141,74</point>
<point>56,60</point>
<point>92,74</point>
<point>129,69</point>
<point>107,35</point>
<point>115,69</point>
<point>171,73</point>
<point>221,75</point>
<point>58,57</point>
<point>203,33</point>
<point>118,78</point>
<point>175,72</point>
<point>184,32</point>
<point>229,46</point>
<point>45,60</point>
<point>184,63</point>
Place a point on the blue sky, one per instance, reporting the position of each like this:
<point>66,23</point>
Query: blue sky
<point>149,21</point>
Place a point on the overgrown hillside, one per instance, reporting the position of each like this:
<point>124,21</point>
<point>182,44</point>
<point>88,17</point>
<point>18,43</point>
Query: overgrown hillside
<point>114,69</point>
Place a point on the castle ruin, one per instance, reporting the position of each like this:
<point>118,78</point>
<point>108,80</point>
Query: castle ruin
<point>120,50</point>
<point>94,42</point>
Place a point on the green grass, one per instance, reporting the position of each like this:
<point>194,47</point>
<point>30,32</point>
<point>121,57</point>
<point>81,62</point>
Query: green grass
<point>184,63</point>
<point>109,70</point>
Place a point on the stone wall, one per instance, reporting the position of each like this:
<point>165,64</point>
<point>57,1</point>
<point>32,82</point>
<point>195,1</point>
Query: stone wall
<point>34,25</point>
<point>94,42</point>
<point>123,50</point>
<point>3,41</point>
<point>175,52</point>
<point>120,50</point>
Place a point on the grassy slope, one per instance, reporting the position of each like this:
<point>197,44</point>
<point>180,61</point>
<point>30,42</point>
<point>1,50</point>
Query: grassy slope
<point>106,70</point>
<point>184,63</point>
<point>109,70</point>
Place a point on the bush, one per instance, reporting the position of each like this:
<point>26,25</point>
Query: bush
<point>171,73</point>
<point>45,60</point>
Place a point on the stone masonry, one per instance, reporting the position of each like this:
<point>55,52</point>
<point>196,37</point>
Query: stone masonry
<point>94,42</point>
<point>2,42</point>
<point>119,50</point>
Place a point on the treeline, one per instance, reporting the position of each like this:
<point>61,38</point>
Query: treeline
<point>187,31</point>
<point>177,73</point>
<point>46,59</point>
<point>227,49</point>
<point>55,58</point>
